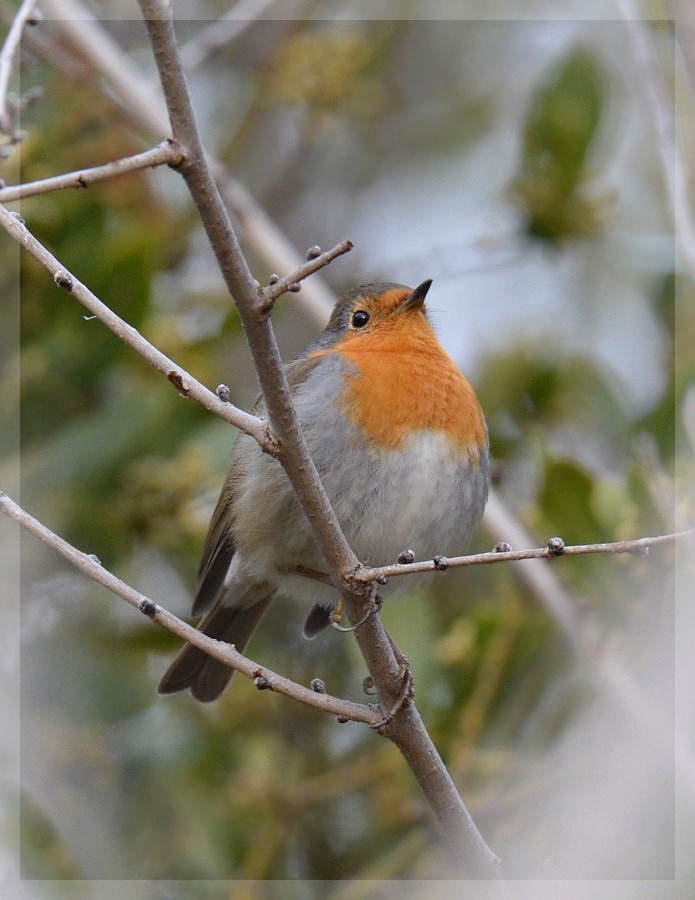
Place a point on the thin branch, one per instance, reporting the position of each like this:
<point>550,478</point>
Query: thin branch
<point>223,31</point>
<point>554,548</point>
<point>264,679</point>
<point>7,57</point>
<point>184,383</point>
<point>125,78</point>
<point>673,164</point>
<point>168,153</point>
<point>683,15</point>
<point>291,282</point>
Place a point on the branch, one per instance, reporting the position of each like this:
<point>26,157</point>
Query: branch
<point>406,729</point>
<point>184,383</point>
<point>7,56</point>
<point>554,548</point>
<point>660,104</point>
<point>684,17</point>
<point>222,31</point>
<point>167,153</point>
<point>263,678</point>
<point>317,260</point>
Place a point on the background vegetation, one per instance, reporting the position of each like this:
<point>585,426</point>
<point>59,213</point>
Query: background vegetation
<point>514,162</point>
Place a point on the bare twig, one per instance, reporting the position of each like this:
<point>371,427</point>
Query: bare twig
<point>555,547</point>
<point>683,15</point>
<point>660,102</point>
<point>222,31</point>
<point>107,60</point>
<point>165,154</point>
<point>185,383</point>
<point>89,565</point>
<point>7,57</point>
<point>282,285</point>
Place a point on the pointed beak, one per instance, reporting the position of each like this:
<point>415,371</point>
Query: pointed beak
<point>415,300</point>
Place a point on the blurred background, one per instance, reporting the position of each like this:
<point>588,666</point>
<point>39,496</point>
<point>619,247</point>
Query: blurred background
<point>519,163</point>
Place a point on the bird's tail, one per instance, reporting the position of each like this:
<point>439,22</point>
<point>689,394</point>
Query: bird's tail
<point>205,676</point>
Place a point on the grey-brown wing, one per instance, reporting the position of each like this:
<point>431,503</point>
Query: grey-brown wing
<point>218,548</point>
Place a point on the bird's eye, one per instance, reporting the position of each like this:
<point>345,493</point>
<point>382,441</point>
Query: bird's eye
<point>360,318</point>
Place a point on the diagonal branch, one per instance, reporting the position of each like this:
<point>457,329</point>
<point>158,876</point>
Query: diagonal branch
<point>223,31</point>
<point>659,101</point>
<point>185,383</point>
<point>280,286</point>
<point>7,57</point>
<point>165,154</point>
<point>263,678</point>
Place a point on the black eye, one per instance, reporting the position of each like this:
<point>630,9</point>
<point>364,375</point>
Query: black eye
<point>360,318</point>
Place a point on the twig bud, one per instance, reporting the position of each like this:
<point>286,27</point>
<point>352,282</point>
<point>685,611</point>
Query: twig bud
<point>274,278</point>
<point>295,288</point>
<point>639,551</point>
<point>148,607</point>
<point>260,681</point>
<point>63,280</point>
<point>222,392</point>
<point>555,546</point>
<point>405,557</point>
<point>441,563</point>
<point>313,252</point>
<point>318,686</point>
<point>502,547</point>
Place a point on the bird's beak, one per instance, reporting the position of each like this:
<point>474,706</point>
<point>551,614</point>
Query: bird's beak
<point>416,299</point>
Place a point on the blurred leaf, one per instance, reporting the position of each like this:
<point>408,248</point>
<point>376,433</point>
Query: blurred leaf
<point>64,357</point>
<point>328,70</point>
<point>531,391</point>
<point>45,854</point>
<point>566,502</point>
<point>103,689</point>
<point>559,133</point>
<point>674,303</point>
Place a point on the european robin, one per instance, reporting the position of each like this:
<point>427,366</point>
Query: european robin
<point>401,446</point>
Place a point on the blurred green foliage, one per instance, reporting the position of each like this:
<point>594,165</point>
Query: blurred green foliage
<point>560,132</point>
<point>124,784</point>
<point>330,71</point>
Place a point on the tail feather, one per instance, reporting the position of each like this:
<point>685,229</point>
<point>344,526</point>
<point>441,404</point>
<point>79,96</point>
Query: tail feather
<point>319,618</point>
<point>193,668</point>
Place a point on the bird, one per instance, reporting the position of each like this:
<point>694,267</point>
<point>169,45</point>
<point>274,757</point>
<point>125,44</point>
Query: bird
<point>401,446</point>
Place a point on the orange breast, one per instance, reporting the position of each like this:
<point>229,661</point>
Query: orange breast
<point>402,381</point>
